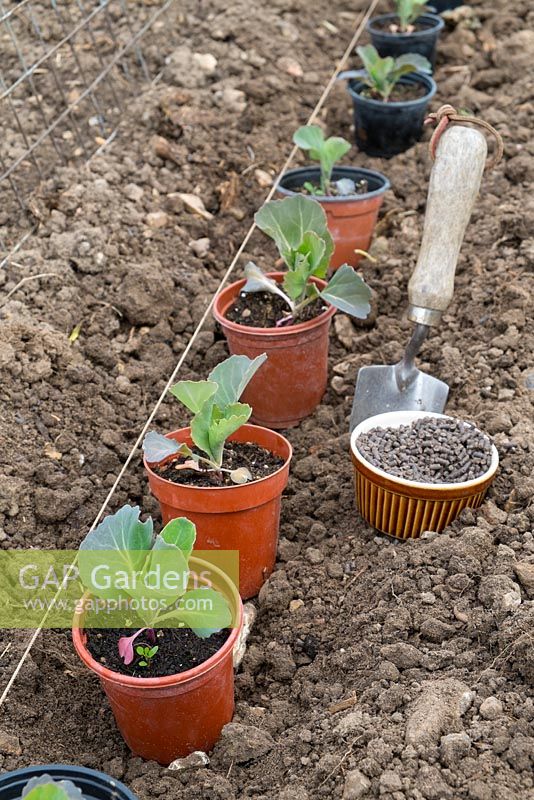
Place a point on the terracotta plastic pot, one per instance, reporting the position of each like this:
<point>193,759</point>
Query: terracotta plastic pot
<point>351,220</point>
<point>166,718</point>
<point>292,382</point>
<point>386,129</point>
<point>244,518</point>
<point>92,784</point>
<point>422,41</point>
<point>404,508</point>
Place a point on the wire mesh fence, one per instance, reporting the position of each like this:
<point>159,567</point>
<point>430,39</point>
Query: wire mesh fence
<point>67,69</point>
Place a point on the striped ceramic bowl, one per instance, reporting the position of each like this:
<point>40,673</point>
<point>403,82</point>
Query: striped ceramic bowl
<point>404,508</point>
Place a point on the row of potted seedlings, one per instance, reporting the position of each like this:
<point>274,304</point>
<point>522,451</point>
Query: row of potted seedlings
<point>392,90</point>
<point>390,96</point>
<point>219,481</point>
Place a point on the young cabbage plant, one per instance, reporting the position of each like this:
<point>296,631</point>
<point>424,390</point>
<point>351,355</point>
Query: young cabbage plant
<point>383,74</point>
<point>151,574</point>
<point>44,787</point>
<point>408,11</point>
<point>217,414</point>
<point>299,229</point>
<point>147,654</point>
<point>327,152</point>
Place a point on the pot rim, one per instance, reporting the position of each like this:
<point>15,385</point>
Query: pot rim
<point>347,198</point>
<point>273,332</point>
<point>241,486</point>
<point>67,772</point>
<point>413,77</point>
<point>438,25</point>
<point>395,419</point>
<point>447,6</point>
<point>178,678</point>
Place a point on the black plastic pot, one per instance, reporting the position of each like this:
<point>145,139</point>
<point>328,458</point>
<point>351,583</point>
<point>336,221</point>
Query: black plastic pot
<point>445,5</point>
<point>294,179</point>
<point>93,785</point>
<point>386,129</point>
<point>422,41</point>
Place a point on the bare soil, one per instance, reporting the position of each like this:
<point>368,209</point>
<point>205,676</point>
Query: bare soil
<point>375,668</point>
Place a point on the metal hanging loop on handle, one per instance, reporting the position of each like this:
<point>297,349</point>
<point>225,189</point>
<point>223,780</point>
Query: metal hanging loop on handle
<point>447,114</point>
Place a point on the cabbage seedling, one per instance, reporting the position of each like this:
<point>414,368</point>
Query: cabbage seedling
<point>327,152</point>
<point>299,229</point>
<point>44,787</point>
<point>408,11</point>
<point>217,414</point>
<point>146,653</point>
<point>383,74</point>
<point>133,556</point>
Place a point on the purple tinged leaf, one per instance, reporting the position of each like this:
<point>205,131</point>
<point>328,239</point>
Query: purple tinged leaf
<point>126,648</point>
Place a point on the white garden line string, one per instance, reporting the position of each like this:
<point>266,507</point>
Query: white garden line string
<point>328,88</point>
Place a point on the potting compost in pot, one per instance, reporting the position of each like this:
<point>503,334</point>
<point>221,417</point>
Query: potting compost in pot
<point>178,650</point>
<point>259,462</point>
<point>265,310</point>
<point>367,666</point>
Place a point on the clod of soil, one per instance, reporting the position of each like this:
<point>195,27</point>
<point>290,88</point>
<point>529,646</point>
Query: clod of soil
<point>430,450</point>
<point>402,93</point>
<point>179,649</point>
<point>259,462</point>
<point>265,310</point>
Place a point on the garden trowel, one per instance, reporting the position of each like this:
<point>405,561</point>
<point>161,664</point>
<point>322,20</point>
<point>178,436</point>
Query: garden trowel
<point>454,185</point>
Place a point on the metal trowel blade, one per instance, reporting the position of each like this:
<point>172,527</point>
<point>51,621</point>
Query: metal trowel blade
<point>377,392</point>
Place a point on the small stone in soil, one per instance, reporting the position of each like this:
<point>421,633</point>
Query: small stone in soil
<point>194,760</point>
<point>430,450</point>
<point>259,462</point>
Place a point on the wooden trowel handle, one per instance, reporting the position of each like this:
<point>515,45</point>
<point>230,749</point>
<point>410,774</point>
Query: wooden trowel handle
<point>454,185</point>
